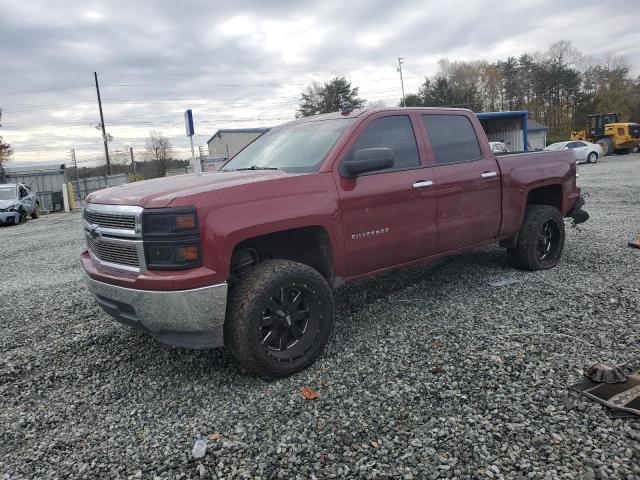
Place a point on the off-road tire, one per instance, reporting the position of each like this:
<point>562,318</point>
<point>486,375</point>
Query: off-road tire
<point>526,255</point>
<point>607,146</point>
<point>36,211</point>
<point>592,157</point>
<point>246,307</point>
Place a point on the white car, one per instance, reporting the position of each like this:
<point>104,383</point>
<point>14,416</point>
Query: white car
<point>498,147</point>
<point>585,151</point>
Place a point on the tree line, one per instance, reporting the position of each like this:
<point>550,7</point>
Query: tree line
<point>559,87</point>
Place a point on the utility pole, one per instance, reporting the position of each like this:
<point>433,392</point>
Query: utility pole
<point>104,132</point>
<point>75,167</point>
<point>133,163</point>
<point>400,62</point>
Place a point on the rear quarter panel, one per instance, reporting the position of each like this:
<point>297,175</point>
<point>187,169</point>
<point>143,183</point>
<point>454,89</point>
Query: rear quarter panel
<point>524,172</point>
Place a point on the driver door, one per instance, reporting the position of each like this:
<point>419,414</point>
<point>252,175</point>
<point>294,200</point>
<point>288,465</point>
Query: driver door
<point>388,216</point>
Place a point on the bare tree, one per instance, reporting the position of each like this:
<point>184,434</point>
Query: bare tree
<point>5,154</point>
<point>159,151</point>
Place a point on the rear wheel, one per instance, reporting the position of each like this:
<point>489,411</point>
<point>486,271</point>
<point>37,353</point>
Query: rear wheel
<point>279,319</point>
<point>592,158</point>
<point>36,211</point>
<point>607,146</point>
<point>540,240</point>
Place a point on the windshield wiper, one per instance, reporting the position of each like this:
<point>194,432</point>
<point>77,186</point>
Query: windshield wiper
<point>255,167</point>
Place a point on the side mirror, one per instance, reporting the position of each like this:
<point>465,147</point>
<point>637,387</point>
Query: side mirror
<point>565,148</point>
<point>369,160</point>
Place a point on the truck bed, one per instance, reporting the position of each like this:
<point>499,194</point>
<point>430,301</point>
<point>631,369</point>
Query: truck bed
<point>522,172</point>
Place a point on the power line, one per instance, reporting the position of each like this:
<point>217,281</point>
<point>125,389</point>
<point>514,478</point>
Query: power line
<point>45,90</point>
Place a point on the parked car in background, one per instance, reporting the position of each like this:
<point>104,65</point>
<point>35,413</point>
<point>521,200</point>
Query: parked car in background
<point>498,147</point>
<point>16,202</point>
<point>585,151</point>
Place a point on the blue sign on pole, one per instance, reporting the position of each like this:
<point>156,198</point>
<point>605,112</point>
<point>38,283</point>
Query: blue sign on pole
<point>188,123</point>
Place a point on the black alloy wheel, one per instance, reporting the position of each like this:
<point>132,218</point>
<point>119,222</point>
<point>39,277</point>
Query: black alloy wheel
<point>290,322</point>
<point>540,240</point>
<point>279,318</point>
<point>548,240</point>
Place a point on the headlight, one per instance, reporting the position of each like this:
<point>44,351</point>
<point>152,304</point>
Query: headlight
<point>169,222</point>
<point>171,238</point>
<point>13,208</point>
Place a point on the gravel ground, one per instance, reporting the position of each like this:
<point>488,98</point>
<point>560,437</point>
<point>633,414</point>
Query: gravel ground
<point>432,373</point>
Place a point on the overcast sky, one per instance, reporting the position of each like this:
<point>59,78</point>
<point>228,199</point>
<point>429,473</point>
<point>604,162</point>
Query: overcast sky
<point>244,62</point>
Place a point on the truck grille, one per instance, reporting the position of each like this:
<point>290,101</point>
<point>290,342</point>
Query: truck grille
<point>108,220</point>
<point>114,253</point>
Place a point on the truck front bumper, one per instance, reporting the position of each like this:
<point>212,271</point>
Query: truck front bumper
<point>9,217</point>
<point>184,318</point>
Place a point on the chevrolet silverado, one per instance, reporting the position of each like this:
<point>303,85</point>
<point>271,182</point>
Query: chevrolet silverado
<point>248,257</point>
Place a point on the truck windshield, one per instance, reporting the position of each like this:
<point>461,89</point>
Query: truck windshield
<point>7,193</point>
<point>299,147</point>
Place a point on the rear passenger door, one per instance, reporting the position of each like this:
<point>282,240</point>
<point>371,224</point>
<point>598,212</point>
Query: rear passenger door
<point>388,216</point>
<point>468,189</point>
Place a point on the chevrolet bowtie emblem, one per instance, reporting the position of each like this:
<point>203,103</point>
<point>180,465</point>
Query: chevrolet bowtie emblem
<point>93,231</point>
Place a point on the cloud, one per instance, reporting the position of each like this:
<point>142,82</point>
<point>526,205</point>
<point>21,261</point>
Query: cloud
<point>245,62</point>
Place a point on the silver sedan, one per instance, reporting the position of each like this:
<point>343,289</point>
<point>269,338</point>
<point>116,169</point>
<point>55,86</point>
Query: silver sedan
<point>585,151</point>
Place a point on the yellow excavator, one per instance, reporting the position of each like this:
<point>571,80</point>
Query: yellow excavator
<point>608,131</point>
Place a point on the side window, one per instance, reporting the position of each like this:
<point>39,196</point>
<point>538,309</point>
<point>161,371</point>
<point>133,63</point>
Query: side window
<point>395,133</point>
<point>621,131</point>
<point>23,192</point>
<point>453,138</point>
<point>579,144</point>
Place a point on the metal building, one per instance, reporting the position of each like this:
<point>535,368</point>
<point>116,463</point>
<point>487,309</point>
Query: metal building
<point>45,179</point>
<point>226,142</point>
<point>537,135</point>
<point>515,129</point>
<point>510,128</point>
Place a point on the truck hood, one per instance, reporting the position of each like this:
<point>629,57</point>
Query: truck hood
<point>160,192</point>
<point>7,203</point>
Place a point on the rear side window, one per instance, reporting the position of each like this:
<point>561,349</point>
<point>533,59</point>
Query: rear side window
<point>453,138</point>
<point>395,133</point>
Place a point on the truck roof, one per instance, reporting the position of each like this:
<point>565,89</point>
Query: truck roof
<point>369,111</point>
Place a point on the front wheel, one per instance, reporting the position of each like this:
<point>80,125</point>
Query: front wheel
<point>540,240</point>
<point>279,319</point>
<point>592,158</point>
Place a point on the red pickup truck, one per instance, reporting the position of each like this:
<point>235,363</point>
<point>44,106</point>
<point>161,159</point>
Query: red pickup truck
<point>247,257</point>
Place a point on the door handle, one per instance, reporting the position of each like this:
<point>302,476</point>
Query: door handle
<point>489,174</point>
<point>422,184</point>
